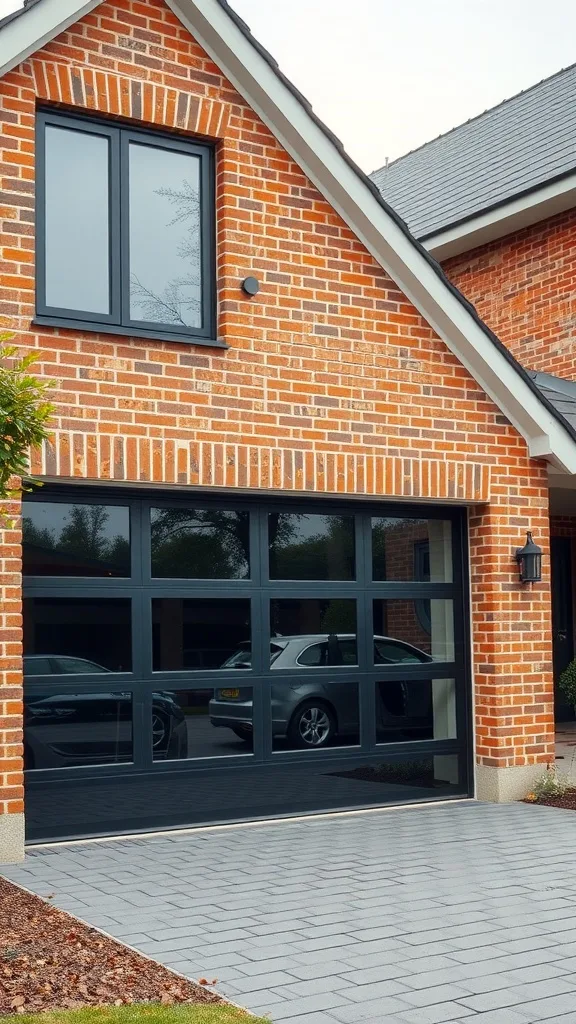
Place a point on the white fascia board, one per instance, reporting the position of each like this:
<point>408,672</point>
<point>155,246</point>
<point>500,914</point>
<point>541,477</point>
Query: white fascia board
<point>347,193</point>
<point>519,213</point>
<point>37,26</point>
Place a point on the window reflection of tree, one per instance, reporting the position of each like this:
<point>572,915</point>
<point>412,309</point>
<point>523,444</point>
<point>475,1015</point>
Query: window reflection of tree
<point>326,554</point>
<point>200,543</point>
<point>83,536</point>
<point>179,303</point>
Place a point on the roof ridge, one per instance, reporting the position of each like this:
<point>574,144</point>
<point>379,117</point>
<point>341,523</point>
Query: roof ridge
<point>476,117</point>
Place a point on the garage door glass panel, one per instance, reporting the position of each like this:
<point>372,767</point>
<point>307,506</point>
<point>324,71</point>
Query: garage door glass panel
<point>415,709</point>
<point>75,729</point>
<point>61,539</point>
<point>312,633</point>
<point>413,631</point>
<point>86,636</point>
<point>208,722</point>
<point>311,547</point>
<point>76,209</point>
<point>200,544</point>
<point>193,633</point>
<point>401,779</point>
<point>314,715</point>
<point>411,549</point>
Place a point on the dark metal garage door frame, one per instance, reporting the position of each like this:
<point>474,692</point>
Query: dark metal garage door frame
<point>142,682</point>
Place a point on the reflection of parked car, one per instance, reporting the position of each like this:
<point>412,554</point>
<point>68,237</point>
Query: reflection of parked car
<point>311,713</point>
<point>91,728</point>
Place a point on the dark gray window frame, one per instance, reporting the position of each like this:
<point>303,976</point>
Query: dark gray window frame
<point>118,320</point>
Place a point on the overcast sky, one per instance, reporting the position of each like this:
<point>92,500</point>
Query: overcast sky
<point>388,75</point>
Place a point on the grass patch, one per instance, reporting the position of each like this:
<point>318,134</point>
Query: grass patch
<point>218,1013</point>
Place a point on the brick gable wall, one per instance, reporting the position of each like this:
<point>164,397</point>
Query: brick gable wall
<point>524,287</point>
<point>332,381</point>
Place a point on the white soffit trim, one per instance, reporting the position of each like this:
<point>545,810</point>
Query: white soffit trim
<point>346,191</point>
<point>37,26</point>
<point>520,213</point>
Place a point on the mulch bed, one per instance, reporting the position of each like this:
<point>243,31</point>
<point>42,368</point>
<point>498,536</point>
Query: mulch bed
<point>49,960</point>
<point>568,800</point>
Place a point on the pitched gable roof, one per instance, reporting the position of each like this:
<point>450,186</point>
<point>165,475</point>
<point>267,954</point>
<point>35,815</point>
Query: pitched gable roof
<point>513,148</point>
<point>289,116</point>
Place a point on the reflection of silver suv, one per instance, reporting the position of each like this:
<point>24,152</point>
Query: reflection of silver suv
<point>311,713</point>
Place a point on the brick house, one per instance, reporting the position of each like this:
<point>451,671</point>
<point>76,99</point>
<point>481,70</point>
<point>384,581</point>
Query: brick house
<point>495,201</point>
<point>272,566</point>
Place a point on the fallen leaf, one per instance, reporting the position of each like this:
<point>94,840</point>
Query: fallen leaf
<point>17,1001</point>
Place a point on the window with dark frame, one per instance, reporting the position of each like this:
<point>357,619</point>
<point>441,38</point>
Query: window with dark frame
<point>125,231</point>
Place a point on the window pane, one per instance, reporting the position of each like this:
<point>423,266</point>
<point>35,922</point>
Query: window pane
<point>192,633</point>
<point>165,237</point>
<point>75,540</point>
<point>200,544</point>
<point>77,219</point>
<point>413,631</point>
<point>202,723</point>
<point>73,729</point>
<point>314,716</point>
<point>422,709</point>
<point>311,547</point>
<point>312,632</point>
<point>96,632</point>
<point>412,549</point>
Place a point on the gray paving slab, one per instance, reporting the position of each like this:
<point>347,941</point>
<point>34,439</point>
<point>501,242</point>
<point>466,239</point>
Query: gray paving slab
<point>460,913</point>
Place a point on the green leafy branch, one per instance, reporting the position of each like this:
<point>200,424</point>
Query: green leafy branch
<point>24,415</point>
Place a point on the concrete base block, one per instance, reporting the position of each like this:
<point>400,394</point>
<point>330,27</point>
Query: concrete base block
<point>503,785</point>
<point>11,838</point>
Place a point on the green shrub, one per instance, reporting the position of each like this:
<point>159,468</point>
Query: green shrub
<point>24,415</point>
<point>567,683</point>
<point>550,784</point>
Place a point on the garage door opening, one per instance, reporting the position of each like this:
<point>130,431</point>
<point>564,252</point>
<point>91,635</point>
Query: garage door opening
<point>191,661</point>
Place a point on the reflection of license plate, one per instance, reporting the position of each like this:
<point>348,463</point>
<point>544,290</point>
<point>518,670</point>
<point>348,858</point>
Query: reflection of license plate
<point>229,694</point>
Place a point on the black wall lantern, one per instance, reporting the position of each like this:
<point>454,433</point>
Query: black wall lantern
<point>529,560</point>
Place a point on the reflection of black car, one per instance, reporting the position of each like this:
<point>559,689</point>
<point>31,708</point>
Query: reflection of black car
<point>71,729</point>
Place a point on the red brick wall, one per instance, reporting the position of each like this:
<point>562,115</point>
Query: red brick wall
<point>332,381</point>
<point>11,782</point>
<point>524,287</point>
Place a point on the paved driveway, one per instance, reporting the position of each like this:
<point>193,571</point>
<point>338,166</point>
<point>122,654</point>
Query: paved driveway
<point>464,912</point>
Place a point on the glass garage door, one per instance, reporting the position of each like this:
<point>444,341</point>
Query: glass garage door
<point>190,661</point>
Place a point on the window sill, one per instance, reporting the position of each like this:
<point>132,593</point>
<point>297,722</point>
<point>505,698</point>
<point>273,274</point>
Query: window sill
<point>126,332</point>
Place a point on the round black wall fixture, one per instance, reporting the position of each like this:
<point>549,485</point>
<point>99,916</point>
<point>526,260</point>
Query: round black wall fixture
<point>250,286</point>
